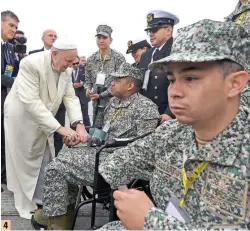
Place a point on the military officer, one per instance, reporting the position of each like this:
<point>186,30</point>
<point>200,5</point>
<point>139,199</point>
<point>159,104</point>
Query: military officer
<point>136,48</point>
<point>241,16</point>
<point>128,114</point>
<point>155,85</point>
<point>199,164</point>
<point>97,72</point>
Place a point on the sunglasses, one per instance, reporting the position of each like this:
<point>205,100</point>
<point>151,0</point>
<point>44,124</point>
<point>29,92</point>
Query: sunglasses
<point>154,29</point>
<point>76,63</point>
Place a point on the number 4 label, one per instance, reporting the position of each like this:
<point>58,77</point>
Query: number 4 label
<point>5,225</point>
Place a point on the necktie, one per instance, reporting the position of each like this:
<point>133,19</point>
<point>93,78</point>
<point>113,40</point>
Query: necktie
<point>156,55</point>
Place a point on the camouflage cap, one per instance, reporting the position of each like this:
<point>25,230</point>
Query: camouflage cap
<point>209,40</point>
<point>104,30</point>
<point>127,70</point>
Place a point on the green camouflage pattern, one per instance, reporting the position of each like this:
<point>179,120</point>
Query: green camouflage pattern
<point>239,9</point>
<point>75,166</point>
<point>93,66</point>
<point>104,30</point>
<point>219,198</point>
<point>127,70</point>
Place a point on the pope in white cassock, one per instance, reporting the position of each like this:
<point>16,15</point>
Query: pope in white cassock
<point>43,82</point>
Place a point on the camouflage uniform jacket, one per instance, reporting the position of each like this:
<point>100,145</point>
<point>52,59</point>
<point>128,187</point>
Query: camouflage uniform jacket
<point>135,116</point>
<point>94,65</point>
<point>237,12</point>
<point>220,195</point>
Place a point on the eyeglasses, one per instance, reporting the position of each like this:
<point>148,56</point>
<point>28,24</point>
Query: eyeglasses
<point>75,63</point>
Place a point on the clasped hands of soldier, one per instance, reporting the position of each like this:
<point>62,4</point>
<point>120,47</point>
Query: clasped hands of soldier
<point>71,137</point>
<point>93,96</point>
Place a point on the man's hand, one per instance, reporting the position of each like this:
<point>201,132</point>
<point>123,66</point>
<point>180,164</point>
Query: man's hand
<point>68,132</point>
<point>70,142</point>
<point>94,97</point>
<point>89,93</point>
<point>83,135</point>
<point>165,117</point>
<point>77,85</point>
<point>132,208</point>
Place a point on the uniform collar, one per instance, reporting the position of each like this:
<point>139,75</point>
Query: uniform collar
<point>227,146</point>
<point>108,57</point>
<point>117,103</point>
<point>238,9</point>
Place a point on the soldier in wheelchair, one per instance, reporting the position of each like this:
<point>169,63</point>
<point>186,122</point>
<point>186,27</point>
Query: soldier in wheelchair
<point>128,115</point>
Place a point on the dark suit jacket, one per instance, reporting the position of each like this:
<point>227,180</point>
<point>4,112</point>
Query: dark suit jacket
<point>35,51</point>
<point>157,89</point>
<point>6,81</point>
<point>80,92</point>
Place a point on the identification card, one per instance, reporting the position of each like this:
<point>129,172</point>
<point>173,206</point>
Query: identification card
<point>9,70</point>
<point>106,127</point>
<point>174,210</point>
<point>100,78</point>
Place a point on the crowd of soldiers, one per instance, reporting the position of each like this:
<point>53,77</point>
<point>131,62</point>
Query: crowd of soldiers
<point>192,92</point>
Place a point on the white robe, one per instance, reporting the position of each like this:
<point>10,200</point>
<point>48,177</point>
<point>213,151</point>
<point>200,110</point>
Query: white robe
<point>29,122</point>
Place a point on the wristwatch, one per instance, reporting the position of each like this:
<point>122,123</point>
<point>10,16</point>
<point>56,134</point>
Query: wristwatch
<point>77,122</point>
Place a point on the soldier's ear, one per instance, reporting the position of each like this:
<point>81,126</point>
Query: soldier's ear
<point>236,82</point>
<point>131,85</point>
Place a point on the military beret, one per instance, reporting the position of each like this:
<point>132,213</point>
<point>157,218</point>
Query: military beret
<point>134,45</point>
<point>160,18</point>
<point>127,70</point>
<point>209,40</point>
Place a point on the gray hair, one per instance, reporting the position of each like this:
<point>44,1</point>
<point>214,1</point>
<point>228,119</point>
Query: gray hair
<point>8,13</point>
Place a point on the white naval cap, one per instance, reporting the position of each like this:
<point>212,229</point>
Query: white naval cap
<point>64,44</point>
<point>159,18</point>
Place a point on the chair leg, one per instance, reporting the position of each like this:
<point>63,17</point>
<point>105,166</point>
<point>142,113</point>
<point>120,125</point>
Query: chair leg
<point>77,210</point>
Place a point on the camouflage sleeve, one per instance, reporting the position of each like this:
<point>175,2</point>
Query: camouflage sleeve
<point>157,219</point>
<point>119,59</point>
<point>147,117</point>
<point>135,161</point>
<point>88,84</point>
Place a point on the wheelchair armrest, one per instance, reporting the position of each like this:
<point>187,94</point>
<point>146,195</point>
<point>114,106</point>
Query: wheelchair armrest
<point>121,142</point>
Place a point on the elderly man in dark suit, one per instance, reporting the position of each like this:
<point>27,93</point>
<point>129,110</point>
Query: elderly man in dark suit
<point>9,69</point>
<point>78,78</point>
<point>49,37</point>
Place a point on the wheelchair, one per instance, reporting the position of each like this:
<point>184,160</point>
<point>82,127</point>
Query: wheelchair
<point>102,192</point>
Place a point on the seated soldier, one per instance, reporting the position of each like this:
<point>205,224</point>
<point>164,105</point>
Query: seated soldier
<point>199,164</point>
<point>128,115</point>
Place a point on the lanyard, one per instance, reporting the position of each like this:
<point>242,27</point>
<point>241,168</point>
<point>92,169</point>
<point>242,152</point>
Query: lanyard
<point>241,17</point>
<point>104,59</point>
<point>6,54</point>
<point>118,111</point>
<point>188,181</point>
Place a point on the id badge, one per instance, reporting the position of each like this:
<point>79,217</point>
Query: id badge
<point>100,78</point>
<point>9,70</point>
<point>174,210</point>
<point>106,127</point>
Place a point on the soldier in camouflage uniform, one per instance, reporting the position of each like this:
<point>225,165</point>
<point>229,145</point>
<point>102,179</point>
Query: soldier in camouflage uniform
<point>101,63</point>
<point>129,114</point>
<point>241,16</point>
<point>199,164</point>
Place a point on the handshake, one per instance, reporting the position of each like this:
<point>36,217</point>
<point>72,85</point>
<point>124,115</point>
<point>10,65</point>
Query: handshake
<point>71,137</point>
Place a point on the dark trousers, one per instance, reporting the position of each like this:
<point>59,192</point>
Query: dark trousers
<point>60,116</point>
<point>3,164</point>
<point>85,114</point>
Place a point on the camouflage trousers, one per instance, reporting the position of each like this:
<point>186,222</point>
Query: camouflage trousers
<point>72,167</point>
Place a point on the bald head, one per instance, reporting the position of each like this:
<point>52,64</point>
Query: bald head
<point>49,37</point>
